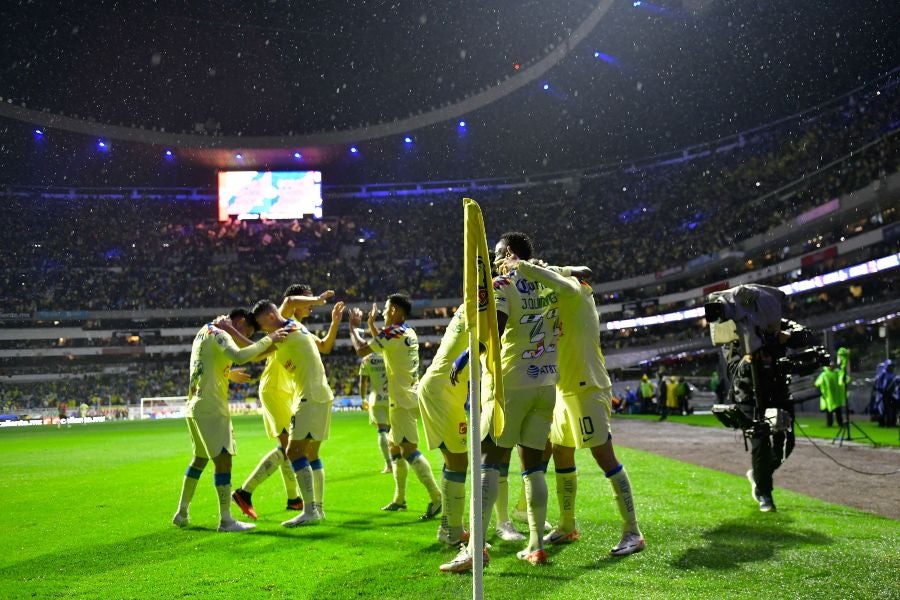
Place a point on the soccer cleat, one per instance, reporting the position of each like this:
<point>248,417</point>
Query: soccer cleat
<point>766,504</point>
<point>453,537</point>
<point>180,519</point>
<point>752,481</point>
<point>462,562</point>
<point>242,499</point>
<point>394,506</point>
<point>235,526</point>
<point>294,504</point>
<point>558,536</point>
<point>387,469</point>
<point>508,532</point>
<point>629,544</point>
<point>432,510</point>
<point>304,518</point>
<point>320,511</point>
<point>535,557</point>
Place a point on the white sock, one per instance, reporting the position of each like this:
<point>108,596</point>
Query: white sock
<point>305,483</point>
<point>267,465</point>
<point>422,469</point>
<point>536,498</point>
<point>318,474</point>
<point>621,485</point>
<point>489,477</point>
<point>223,491</point>
<point>400,471</point>
<point>385,447</point>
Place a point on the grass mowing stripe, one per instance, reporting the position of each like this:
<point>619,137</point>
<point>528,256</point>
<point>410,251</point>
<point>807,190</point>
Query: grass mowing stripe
<point>90,508</point>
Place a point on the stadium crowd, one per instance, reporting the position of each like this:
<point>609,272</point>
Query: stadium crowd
<point>165,254</point>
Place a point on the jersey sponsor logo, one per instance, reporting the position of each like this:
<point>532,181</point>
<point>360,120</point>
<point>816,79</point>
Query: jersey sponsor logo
<point>535,371</point>
<point>526,287</point>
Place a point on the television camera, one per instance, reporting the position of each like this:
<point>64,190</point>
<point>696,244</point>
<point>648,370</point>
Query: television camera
<point>748,318</point>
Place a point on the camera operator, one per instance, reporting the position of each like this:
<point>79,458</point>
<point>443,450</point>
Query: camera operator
<point>766,388</point>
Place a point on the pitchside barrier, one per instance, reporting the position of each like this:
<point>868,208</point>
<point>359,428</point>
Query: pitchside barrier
<point>172,407</point>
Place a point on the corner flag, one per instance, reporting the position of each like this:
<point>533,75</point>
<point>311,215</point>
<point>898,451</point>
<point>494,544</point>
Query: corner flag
<point>481,311</point>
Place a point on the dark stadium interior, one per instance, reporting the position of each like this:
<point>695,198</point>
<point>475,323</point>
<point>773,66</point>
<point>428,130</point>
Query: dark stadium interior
<point>677,146</point>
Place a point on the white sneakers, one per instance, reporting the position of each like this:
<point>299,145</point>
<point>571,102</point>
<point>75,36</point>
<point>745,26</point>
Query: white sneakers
<point>462,562</point>
<point>304,518</point>
<point>180,519</point>
<point>508,532</point>
<point>235,526</point>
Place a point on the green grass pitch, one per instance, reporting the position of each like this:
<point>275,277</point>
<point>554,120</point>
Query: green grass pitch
<point>88,509</point>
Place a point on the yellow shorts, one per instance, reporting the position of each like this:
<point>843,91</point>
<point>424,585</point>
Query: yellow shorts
<point>528,415</point>
<point>311,420</point>
<point>212,435</point>
<point>444,415</point>
<point>277,413</point>
<point>404,426</point>
<point>582,420</point>
<point>379,409</point>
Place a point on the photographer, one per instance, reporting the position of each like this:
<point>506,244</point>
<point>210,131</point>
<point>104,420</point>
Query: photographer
<point>766,388</point>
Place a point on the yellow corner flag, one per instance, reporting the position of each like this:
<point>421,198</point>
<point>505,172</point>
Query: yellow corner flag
<point>481,311</point>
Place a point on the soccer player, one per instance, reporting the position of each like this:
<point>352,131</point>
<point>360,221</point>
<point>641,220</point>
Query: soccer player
<point>528,319</point>
<point>581,418</point>
<point>276,393</point>
<point>444,416</point>
<point>399,346</point>
<point>299,355</point>
<point>209,422</point>
<point>373,387</point>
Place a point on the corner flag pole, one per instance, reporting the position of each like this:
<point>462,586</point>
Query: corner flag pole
<point>481,322</point>
<point>476,529</point>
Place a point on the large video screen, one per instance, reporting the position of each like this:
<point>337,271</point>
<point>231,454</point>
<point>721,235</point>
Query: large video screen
<point>270,194</point>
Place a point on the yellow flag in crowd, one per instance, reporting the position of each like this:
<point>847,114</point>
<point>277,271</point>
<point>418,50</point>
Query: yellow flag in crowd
<point>481,311</point>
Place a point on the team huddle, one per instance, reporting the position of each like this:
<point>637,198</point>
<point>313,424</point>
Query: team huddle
<point>557,399</point>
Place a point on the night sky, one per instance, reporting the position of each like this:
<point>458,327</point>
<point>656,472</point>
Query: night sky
<point>666,76</point>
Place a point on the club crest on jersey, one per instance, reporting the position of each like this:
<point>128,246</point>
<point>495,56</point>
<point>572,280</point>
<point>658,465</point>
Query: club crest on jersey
<point>501,282</point>
<point>289,365</point>
<point>463,428</point>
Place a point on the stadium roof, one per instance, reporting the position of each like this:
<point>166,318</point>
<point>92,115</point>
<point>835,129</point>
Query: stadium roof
<point>643,80</point>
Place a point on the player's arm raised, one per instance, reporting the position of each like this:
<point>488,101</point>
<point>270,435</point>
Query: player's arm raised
<point>549,276</point>
<point>359,344</point>
<point>241,355</point>
<point>291,303</point>
<point>325,345</point>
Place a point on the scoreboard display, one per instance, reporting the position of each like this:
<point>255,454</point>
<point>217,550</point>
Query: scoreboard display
<point>270,194</point>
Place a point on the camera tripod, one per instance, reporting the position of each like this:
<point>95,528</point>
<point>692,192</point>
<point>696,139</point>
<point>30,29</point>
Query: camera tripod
<point>844,431</point>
